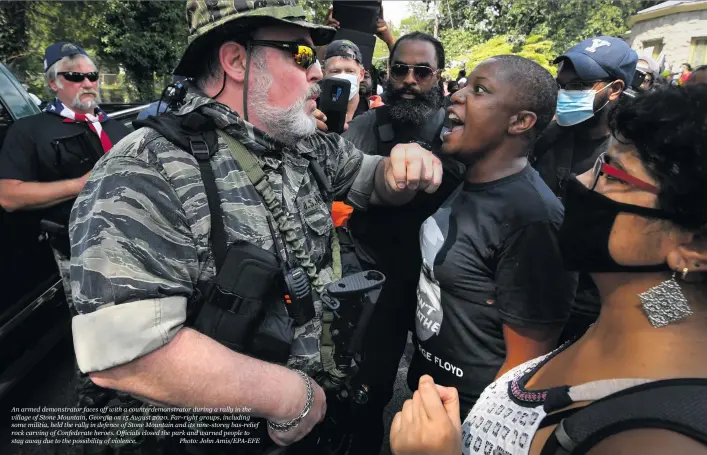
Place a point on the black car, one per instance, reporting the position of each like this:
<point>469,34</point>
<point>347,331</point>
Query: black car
<point>34,315</point>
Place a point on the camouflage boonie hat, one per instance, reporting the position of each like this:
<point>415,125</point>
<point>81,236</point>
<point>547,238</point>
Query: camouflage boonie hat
<point>205,16</point>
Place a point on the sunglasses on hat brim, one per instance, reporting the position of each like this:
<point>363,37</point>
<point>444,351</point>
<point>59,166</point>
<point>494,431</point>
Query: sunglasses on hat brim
<point>73,76</point>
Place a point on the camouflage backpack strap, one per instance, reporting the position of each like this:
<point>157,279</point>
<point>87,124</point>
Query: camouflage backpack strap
<point>194,133</point>
<point>250,165</point>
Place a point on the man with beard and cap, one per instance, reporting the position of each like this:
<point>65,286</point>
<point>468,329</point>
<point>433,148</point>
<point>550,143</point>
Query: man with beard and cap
<point>236,183</point>
<point>592,77</point>
<point>387,239</point>
<point>46,160</point>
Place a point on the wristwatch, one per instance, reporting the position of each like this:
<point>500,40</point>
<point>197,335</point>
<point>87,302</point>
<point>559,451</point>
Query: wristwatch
<point>287,426</point>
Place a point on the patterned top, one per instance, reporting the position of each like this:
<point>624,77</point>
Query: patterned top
<point>498,424</point>
<point>507,415</point>
<point>140,230</point>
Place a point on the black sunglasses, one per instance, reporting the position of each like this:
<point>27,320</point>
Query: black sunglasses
<point>303,54</point>
<point>400,71</point>
<point>73,76</point>
<point>580,85</point>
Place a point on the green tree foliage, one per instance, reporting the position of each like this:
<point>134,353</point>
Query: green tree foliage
<point>381,51</point>
<point>535,47</point>
<point>14,36</point>
<point>458,42</point>
<point>420,18</point>
<point>566,21</point>
<point>316,10</point>
<point>146,37</point>
<point>538,49</point>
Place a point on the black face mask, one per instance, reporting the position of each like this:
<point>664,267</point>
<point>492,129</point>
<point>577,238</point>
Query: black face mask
<point>585,231</point>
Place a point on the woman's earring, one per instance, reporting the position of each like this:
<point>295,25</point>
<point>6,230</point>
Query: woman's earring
<point>665,303</point>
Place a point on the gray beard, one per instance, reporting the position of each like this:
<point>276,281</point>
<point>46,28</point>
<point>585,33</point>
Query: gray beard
<point>286,124</point>
<point>85,106</point>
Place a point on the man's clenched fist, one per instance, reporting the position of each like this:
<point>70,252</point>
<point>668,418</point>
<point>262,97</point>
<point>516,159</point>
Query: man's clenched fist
<point>412,168</point>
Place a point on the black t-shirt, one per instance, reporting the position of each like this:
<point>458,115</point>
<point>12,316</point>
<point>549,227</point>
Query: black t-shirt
<point>362,107</point>
<point>45,148</point>
<point>490,257</point>
<point>390,235</point>
<point>586,152</point>
<point>563,151</point>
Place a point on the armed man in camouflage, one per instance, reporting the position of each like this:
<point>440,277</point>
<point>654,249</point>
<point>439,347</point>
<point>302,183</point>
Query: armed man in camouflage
<point>142,230</point>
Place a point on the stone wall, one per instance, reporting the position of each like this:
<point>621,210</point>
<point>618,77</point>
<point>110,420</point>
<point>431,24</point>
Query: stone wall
<point>676,30</point>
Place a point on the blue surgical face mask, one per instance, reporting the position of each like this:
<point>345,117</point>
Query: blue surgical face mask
<point>576,106</point>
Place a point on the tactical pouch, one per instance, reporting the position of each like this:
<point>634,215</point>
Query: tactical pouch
<point>75,155</point>
<point>274,338</point>
<point>239,295</point>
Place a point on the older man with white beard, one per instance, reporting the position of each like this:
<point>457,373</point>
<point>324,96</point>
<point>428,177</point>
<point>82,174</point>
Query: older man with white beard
<point>46,158</point>
<point>183,236</point>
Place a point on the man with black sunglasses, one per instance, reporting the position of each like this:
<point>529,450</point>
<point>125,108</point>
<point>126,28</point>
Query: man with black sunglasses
<point>387,239</point>
<point>215,226</point>
<point>46,158</point>
<point>592,77</point>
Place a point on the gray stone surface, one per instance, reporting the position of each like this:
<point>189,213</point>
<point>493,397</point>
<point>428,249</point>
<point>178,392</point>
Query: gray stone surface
<point>676,31</point>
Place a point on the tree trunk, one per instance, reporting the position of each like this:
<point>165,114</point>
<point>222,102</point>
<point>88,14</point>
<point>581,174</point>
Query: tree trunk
<point>436,29</point>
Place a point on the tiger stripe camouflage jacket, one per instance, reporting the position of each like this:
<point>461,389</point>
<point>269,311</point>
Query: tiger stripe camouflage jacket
<point>140,231</point>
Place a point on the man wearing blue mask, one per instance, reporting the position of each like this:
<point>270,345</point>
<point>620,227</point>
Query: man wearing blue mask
<point>591,77</point>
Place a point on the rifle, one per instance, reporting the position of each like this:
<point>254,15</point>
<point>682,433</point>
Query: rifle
<point>352,300</point>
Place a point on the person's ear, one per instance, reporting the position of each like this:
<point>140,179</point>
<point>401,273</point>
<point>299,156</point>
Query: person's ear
<point>521,122</point>
<point>53,86</point>
<point>232,57</point>
<point>615,90</point>
<point>690,254</point>
<point>361,75</point>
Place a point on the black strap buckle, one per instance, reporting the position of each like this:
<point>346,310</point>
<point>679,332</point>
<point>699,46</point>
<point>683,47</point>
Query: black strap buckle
<point>199,149</point>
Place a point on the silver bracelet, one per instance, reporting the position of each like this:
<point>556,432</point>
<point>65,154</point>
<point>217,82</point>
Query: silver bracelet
<point>287,426</point>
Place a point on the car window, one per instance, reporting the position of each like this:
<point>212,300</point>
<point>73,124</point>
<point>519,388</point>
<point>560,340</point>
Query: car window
<point>19,105</point>
<point>5,122</point>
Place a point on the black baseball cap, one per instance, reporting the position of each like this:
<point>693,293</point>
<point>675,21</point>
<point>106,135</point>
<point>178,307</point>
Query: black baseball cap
<point>59,50</point>
<point>604,57</point>
<point>343,48</point>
